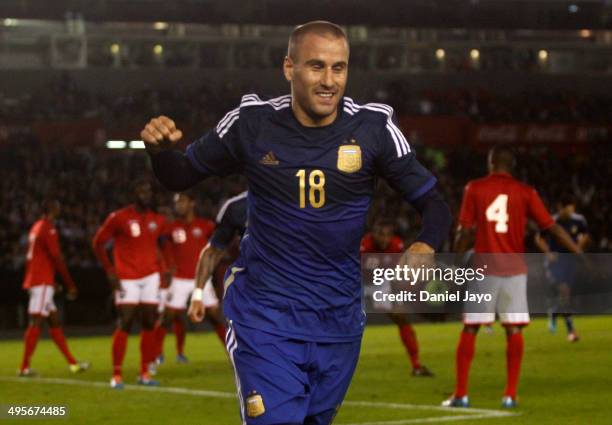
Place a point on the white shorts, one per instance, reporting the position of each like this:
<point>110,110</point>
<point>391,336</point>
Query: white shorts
<point>41,300</point>
<point>138,291</point>
<point>509,301</point>
<point>180,290</point>
<point>163,300</point>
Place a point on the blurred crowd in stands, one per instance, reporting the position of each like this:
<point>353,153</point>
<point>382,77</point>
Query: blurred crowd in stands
<point>92,181</point>
<point>200,108</point>
<point>482,106</point>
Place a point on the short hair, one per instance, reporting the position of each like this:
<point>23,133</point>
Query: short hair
<point>190,193</point>
<point>313,27</point>
<point>48,204</point>
<point>384,222</point>
<point>502,156</point>
<point>141,181</point>
<point>567,199</point>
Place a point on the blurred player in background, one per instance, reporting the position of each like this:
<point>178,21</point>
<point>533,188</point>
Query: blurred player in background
<point>134,275</point>
<point>231,223</point>
<point>184,239</point>
<point>382,239</point>
<point>562,269</point>
<point>293,298</point>
<point>44,258</point>
<point>495,210</point>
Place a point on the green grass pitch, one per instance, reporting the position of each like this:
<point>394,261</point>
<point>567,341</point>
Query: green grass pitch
<point>561,383</point>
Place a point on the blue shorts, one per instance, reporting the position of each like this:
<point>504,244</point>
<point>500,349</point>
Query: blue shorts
<point>283,381</point>
<point>563,270</point>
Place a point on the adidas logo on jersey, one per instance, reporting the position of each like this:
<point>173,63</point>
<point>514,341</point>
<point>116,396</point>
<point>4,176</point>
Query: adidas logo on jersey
<point>269,159</point>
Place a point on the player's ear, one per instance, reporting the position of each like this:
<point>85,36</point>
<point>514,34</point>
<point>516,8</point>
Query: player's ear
<point>288,68</point>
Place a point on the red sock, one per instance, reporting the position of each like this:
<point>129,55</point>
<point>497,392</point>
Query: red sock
<point>160,335</point>
<point>514,356</point>
<point>120,338</point>
<point>220,330</point>
<point>147,350</point>
<point>30,338</point>
<point>179,332</point>
<point>410,342</point>
<point>465,354</point>
<point>58,337</point>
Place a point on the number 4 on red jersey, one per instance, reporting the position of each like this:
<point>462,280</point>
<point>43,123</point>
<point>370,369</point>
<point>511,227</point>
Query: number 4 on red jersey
<point>498,207</point>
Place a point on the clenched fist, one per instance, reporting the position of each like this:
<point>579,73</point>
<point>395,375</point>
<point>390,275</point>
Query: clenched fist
<point>197,311</point>
<point>161,133</point>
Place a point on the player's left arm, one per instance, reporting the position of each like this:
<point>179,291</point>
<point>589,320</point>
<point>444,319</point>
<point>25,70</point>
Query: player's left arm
<point>166,269</point>
<point>466,230</point>
<point>166,260</point>
<point>53,248</point>
<point>399,166</point>
<point>584,239</point>
<point>210,256</point>
<point>541,244</point>
<point>436,222</point>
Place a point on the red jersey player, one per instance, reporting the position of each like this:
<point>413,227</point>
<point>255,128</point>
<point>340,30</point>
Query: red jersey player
<point>44,259</point>
<point>184,239</point>
<point>382,239</point>
<point>134,275</point>
<point>496,208</point>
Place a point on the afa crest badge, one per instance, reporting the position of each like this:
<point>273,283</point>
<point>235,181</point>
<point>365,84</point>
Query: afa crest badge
<point>255,405</point>
<point>349,158</point>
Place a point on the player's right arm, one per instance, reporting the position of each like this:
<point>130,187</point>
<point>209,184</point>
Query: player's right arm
<point>215,153</point>
<point>103,236</point>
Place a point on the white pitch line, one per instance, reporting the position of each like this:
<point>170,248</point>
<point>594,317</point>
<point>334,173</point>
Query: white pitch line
<point>172,390</point>
<point>433,419</point>
<point>477,413</point>
<point>425,407</point>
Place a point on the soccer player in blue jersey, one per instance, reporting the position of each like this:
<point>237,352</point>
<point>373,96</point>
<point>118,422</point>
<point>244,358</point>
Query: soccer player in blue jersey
<point>562,270</point>
<point>293,298</point>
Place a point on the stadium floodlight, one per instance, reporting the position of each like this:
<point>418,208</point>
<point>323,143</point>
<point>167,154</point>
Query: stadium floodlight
<point>542,55</point>
<point>10,22</point>
<point>160,26</point>
<point>475,54</point>
<point>137,144</point>
<point>573,8</point>
<point>158,49</point>
<point>115,48</point>
<point>440,54</point>
<point>116,144</point>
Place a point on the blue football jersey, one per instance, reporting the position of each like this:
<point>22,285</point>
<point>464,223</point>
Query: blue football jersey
<point>575,225</point>
<point>310,188</point>
<point>231,221</point>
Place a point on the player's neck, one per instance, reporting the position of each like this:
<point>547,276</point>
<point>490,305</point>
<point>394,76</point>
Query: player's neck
<point>500,171</point>
<point>48,217</point>
<point>308,121</point>
<point>141,208</point>
<point>188,218</point>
